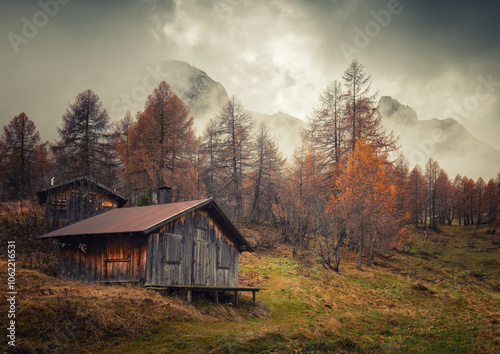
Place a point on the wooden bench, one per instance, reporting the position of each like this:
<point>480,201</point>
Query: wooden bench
<point>216,290</point>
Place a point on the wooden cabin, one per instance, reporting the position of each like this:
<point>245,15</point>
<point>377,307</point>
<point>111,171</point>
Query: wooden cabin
<point>185,244</point>
<point>78,199</point>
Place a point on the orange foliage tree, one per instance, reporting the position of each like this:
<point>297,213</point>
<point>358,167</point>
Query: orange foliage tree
<point>160,146</point>
<point>365,201</point>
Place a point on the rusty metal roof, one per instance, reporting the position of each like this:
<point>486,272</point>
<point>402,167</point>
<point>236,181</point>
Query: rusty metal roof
<point>139,220</point>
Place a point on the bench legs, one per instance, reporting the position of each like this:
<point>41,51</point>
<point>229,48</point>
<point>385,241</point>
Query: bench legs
<point>216,297</point>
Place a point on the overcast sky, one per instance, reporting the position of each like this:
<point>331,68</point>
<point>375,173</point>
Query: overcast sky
<point>440,57</point>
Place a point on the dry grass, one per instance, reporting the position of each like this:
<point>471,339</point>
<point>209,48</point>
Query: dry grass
<point>439,298</point>
<point>67,316</point>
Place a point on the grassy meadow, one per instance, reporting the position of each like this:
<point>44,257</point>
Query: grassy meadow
<point>441,296</point>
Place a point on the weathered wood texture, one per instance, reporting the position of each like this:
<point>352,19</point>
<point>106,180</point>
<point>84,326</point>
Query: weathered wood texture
<point>68,205</point>
<point>78,199</point>
<point>111,258</point>
<point>193,250</point>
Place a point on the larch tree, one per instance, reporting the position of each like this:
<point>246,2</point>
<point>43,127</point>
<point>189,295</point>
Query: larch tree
<point>431,173</point>
<point>491,202</point>
<point>416,195</point>
<point>361,115</point>
<point>358,85</point>
<point>297,206</point>
<point>326,126</point>
<point>24,162</point>
<point>444,198</point>
<point>366,201</point>
<point>85,147</point>
<point>480,190</point>
<point>235,129</point>
<point>267,175</point>
<point>458,199</point>
<point>211,168</point>
<point>161,145</point>
<point>400,172</point>
<point>122,145</point>
<point>470,200</point>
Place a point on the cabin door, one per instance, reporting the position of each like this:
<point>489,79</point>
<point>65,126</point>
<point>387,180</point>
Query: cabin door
<point>200,262</point>
<point>117,262</point>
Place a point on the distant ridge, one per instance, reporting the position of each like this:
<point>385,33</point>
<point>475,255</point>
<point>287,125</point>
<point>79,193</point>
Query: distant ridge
<point>445,140</point>
<point>204,97</point>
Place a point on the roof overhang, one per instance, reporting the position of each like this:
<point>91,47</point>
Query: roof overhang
<point>135,221</point>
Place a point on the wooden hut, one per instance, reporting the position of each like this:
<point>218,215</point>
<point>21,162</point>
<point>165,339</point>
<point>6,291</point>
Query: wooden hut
<point>78,199</point>
<point>191,245</point>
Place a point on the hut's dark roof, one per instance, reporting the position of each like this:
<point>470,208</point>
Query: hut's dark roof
<point>142,220</point>
<point>42,194</point>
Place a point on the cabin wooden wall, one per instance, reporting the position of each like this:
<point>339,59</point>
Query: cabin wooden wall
<point>103,258</point>
<point>193,250</point>
<point>73,203</point>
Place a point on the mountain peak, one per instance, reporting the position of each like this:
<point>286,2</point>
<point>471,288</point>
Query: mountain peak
<point>201,94</point>
<point>391,109</point>
<point>445,140</point>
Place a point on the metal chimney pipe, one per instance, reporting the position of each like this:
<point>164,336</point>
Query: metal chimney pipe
<point>165,195</point>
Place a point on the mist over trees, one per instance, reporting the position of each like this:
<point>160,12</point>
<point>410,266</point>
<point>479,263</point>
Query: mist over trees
<point>346,187</point>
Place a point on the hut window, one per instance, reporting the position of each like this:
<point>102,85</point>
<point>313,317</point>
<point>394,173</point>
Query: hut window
<point>223,256</point>
<point>201,220</point>
<point>172,248</point>
<point>201,223</point>
<point>61,204</point>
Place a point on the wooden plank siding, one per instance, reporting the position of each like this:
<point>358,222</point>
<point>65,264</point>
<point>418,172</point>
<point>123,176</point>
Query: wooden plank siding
<point>68,205</point>
<point>207,257</point>
<point>193,250</point>
<point>111,258</point>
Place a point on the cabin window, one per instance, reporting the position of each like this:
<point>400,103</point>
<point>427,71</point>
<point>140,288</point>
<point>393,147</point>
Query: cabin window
<point>223,256</point>
<point>60,204</point>
<point>172,248</point>
<point>201,223</point>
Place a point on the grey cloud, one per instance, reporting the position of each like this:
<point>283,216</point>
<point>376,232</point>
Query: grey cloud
<point>274,55</point>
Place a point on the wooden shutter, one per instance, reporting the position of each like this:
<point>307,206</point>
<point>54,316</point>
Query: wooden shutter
<point>172,248</point>
<point>224,257</point>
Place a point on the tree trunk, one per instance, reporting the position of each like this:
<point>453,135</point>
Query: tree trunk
<point>360,255</point>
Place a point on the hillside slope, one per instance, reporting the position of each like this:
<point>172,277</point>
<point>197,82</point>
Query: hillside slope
<point>439,297</point>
